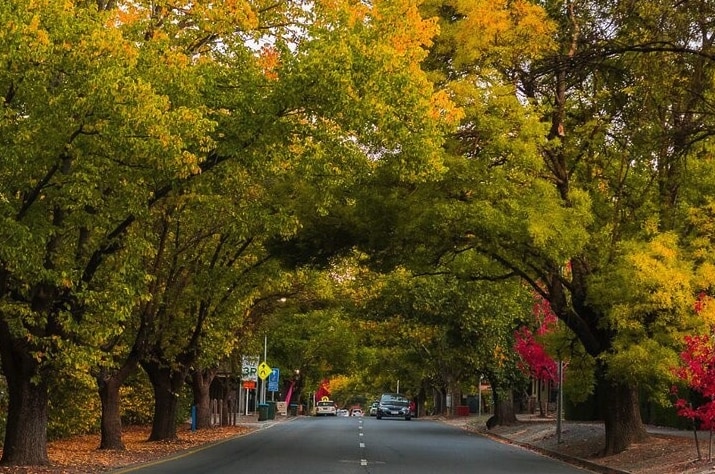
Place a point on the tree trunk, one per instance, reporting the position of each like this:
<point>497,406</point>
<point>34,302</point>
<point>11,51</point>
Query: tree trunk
<point>622,418</point>
<point>26,429</point>
<point>618,402</point>
<point>504,413</point>
<point>540,398</point>
<point>108,386</point>
<point>167,385</point>
<point>439,397</point>
<point>201,382</point>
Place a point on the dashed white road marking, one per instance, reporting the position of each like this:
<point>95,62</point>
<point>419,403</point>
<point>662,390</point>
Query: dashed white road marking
<point>363,461</point>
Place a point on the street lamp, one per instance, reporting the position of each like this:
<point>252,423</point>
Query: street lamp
<point>479,397</point>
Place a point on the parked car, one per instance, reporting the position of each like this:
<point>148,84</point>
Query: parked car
<point>394,405</point>
<point>373,408</point>
<point>343,412</point>
<point>326,408</point>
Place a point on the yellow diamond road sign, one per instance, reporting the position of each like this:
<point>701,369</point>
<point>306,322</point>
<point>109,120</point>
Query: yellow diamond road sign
<point>264,370</point>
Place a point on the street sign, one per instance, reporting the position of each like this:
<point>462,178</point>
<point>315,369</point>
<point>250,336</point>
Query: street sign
<point>264,370</point>
<point>273,380</point>
<point>249,370</point>
<point>249,384</point>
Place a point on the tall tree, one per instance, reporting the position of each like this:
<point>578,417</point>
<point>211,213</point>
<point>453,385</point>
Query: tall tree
<point>110,110</point>
<point>624,93</point>
<point>207,277</point>
<point>77,171</point>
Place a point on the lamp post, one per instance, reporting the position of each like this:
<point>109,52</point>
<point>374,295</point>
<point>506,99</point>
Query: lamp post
<point>479,397</point>
<point>296,372</point>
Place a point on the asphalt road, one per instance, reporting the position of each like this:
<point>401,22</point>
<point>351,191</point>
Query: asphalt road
<point>366,445</point>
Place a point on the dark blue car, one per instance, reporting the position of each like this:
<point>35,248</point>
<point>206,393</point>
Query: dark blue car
<point>394,405</point>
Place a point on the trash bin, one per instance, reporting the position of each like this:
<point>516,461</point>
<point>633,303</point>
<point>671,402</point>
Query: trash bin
<point>271,410</point>
<point>262,412</point>
<point>293,409</point>
<point>473,404</point>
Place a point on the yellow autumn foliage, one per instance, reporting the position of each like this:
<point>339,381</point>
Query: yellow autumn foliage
<point>650,296</point>
<point>502,30</point>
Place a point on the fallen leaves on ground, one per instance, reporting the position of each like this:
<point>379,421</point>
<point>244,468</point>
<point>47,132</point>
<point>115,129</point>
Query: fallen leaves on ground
<point>80,454</point>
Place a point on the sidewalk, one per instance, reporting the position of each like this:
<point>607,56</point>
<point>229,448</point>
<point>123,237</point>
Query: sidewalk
<point>252,420</point>
<point>667,451</point>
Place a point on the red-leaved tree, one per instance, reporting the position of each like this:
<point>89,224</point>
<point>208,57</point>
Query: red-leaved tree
<point>535,360</point>
<point>697,371</point>
<point>323,390</point>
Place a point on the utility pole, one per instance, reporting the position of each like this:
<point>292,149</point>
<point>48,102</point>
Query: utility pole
<point>560,402</point>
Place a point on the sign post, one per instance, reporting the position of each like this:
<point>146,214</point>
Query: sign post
<point>249,375</point>
<point>273,381</point>
<point>264,370</point>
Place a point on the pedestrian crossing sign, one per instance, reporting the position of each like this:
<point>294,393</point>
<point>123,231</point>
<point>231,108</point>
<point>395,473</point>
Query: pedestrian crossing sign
<point>264,370</point>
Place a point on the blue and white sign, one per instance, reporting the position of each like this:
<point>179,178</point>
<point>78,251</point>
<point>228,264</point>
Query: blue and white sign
<point>273,380</point>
